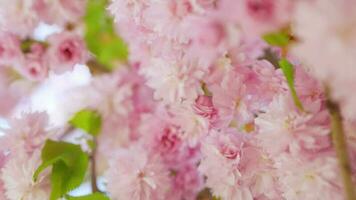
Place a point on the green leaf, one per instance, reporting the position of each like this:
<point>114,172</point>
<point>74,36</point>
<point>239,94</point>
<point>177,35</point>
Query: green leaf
<point>100,35</point>
<point>87,120</point>
<point>95,196</point>
<point>288,71</point>
<point>69,165</point>
<point>280,39</point>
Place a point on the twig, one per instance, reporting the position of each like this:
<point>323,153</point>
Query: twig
<point>339,142</point>
<point>94,186</point>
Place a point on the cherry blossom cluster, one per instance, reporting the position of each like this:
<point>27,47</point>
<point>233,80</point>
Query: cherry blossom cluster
<point>202,109</point>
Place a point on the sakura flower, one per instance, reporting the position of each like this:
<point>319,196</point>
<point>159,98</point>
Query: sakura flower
<point>26,134</point>
<point>9,95</point>
<point>121,98</point>
<point>209,39</point>
<point>204,107</point>
<point>295,132</point>
<point>242,91</point>
<point>221,156</point>
<point>35,69</point>
<point>187,182</point>
<point>161,134</point>
<point>227,97</point>
<point>337,21</point>
<point>32,65</point>
<point>236,169</point>
<point>124,10</point>
<point>298,176</point>
<point>60,12</point>
<point>66,50</point>
<point>18,17</point>
<point>259,16</point>
<point>23,166</point>
<point>193,125</point>
<point>135,174</point>
<point>10,52</point>
<point>171,81</point>
<point>166,18</point>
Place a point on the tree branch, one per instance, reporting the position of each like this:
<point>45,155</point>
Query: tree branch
<point>340,145</point>
<point>94,186</point>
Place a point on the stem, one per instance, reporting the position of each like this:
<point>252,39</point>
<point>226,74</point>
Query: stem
<point>69,130</point>
<point>94,186</point>
<point>339,142</point>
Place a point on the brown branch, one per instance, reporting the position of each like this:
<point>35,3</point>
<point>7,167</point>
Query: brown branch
<point>340,145</point>
<point>94,186</point>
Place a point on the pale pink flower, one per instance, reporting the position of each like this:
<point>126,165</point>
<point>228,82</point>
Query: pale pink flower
<point>282,128</point>
<point>187,182</point>
<point>30,64</point>
<point>172,81</point>
<point>221,154</point>
<point>227,97</point>
<point>60,12</point>
<point>18,17</point>
<point>164,137</point>
<point>240,92</point>
<point>10,51</point>
<point>66,49</point>
<point>35,69</point>
<point>236,169</point>
<point>27,133</point>
<point>135,174</point>
<point>193,125</point>
<point>17,177</point>
<point>258,16</point>
<point>9,95</point>
<point>161,135</point>
<point>309,179</point>
<point>209,39</point>
<point>166,18</point>
<point>121,98</point>
<point>203,106</point>
<point>125,10</point>
<point>332,62</point>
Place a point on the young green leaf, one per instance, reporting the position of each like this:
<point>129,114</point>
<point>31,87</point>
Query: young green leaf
<point>69,165</point>
<point>101,37</point>
<point>87,120</point>
<point>288,71</point>
<point>280,39</point>
<point>95,196</point>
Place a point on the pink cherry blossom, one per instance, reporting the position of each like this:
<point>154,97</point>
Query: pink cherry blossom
<point>204,107</point>
<point>27,133</point>
<point>201,103</point>
<point>23,166</point>
<point>336,21</point>
<point>236,169</point>
<point>135,174</point>
<point>258,16</point>
<point>66,49</point>
<point>187,182</point>
<point>60,12</point>
<point>296,132</point>
<point>10,52</point>
<point>303,175</point>
<point>18,17</point>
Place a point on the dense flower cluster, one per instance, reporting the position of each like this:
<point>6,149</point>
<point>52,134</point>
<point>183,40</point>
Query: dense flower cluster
<point>201,102</point>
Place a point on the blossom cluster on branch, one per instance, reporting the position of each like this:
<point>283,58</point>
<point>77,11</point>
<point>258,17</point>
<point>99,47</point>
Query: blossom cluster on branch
<point>178,99</point>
